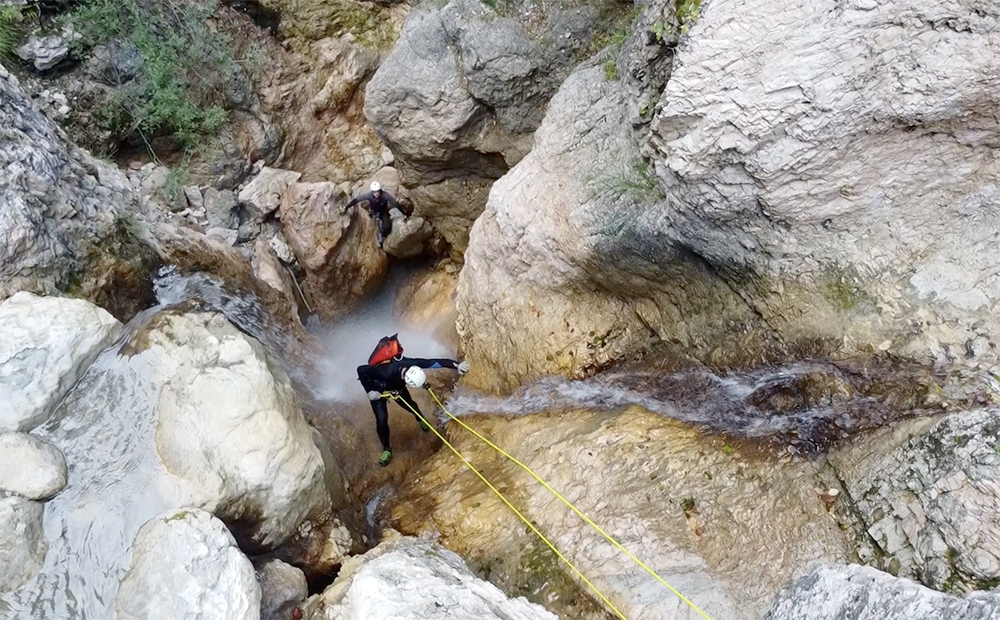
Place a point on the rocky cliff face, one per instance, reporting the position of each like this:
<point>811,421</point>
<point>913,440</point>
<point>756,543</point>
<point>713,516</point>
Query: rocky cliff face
<point>461,94</point>
<point>821,183</point>
<point>61,211</point>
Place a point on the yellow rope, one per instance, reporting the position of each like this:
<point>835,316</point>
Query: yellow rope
<point>587,519</point>
<point>510,505</point>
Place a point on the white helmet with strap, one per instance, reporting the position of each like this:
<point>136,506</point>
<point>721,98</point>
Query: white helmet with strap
<point>415,377</point>
<point>375,186</point>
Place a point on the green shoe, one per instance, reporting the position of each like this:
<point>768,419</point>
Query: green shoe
<point>424,427</point>
<point>385,458</point>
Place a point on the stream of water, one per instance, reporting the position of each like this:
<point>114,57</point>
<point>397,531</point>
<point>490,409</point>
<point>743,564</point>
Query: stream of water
<point>106,429</point>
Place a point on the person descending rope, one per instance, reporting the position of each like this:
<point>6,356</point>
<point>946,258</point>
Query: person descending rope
<point>388,371</point>
<point>379,202</point>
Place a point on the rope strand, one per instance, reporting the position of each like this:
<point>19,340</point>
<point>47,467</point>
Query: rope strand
<point>565,501</point>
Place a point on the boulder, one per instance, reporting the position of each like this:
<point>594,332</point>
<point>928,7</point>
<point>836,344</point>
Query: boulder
<point>185,564</point>
<point>188,412</point>
<point>758,212</point>
<point>230,431</point>
<point>409,235</point>
<point>44,52</point>
<point>262,195</point>
<point>675,498</point>
<point>22,542</point>
<point>928,497</point>
<point>863,593</point>
<point>282,587</point>
<point>335,247</point>
<point>411,578</point>
<point>32,468</point>
<point>271,270</point>
<point>219,207</point>
<point>48,344</point>
<point>464,89</point>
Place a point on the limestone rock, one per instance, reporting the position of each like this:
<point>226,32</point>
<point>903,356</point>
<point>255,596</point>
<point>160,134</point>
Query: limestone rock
<point>927,494</point>
<point>410,578</point>
<point>185,564</point>
<point>335,247</point>
<point>464,89</point>
<point>453,205</point>
<point>48,344</point>
<point>862,593</point>
<point>231,431</point>
<point>319,96</point>
<point>187,388</point>
<point>409,235</point>
<point>44,52</point>
<point>262,195</point>
<point>759,211</point>
<point>268,267</point>
<point>22,543</point>
<point>31,467</point>
<point>282,587</point>
<point>219,207</point>
<point>62,212</point>
<point>676,499</point>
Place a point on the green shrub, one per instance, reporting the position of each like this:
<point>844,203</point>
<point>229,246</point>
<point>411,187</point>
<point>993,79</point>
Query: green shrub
<point>179,87</point>
<point>11,29</point>
<point>687,13</point>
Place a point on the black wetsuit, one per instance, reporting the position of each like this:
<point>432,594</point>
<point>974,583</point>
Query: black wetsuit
<point>388,377</point>
<point>379,208</point>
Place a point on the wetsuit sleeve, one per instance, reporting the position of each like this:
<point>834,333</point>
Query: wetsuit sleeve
<point>431,363</point>
<point>363,197</point>
<point>390,202</point>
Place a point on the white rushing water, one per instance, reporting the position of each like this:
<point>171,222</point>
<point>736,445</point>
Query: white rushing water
<point>729,404</point>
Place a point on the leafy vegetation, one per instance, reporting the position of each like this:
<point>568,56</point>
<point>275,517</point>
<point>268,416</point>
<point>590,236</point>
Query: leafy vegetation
<point>11,29</point>
<point>613,41</point>
<point>179,88</point>
<point>687,13</point>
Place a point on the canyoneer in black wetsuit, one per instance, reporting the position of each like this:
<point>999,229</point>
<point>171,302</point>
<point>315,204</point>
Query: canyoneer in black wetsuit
<point>379,202</point>
<point>389,371</point>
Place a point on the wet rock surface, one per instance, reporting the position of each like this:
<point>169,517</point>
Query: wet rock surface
<point>22,544</point>
<point>48,344</point>
<point>673,497</point>
<point>31,468</point>
<point>185,564</point>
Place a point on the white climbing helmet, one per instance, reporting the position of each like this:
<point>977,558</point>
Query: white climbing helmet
<point>415,377</point>
<point>376,186</point>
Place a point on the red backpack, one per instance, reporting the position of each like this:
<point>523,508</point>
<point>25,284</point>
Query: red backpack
<point>388,348</point>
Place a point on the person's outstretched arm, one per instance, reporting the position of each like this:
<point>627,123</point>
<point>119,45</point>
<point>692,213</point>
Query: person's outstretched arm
<point>366,197</point>
<point>442,362</point>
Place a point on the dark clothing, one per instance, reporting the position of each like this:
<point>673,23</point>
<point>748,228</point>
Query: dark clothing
<point>379,208</point>
<point>388,377</point>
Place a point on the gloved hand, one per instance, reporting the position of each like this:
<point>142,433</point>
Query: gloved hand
<point>373,395</point>
<point>463,367</point>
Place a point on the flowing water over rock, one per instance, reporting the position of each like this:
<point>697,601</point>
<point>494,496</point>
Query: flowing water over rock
<point>803,406</point>
<point>107,432</point>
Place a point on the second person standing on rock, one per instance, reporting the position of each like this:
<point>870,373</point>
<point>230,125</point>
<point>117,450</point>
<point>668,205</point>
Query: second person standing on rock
<point>379,203</point>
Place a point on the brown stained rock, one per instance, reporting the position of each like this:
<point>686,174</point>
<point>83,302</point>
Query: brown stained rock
<point>732,527</point>
<point>336,248</point>
<point>318,93</point>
